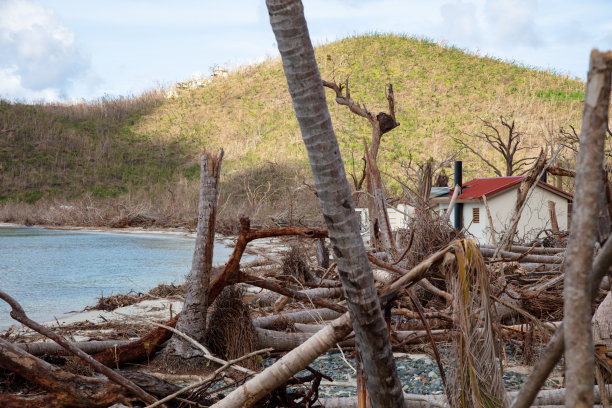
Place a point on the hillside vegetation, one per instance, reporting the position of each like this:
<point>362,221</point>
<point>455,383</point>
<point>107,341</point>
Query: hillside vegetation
<point>139,156</point>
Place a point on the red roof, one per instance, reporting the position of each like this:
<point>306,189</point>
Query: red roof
<point>476,188</point>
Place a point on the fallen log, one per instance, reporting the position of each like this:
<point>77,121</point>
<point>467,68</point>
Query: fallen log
<point>247,235</point>
<point>305,316</point>
<point>89,347</point>
<point>30,401</point>
<point>313,296</point>
<point>70,390</point>
<point>518,249</point>
<point>137,350</point>
<point>514,257</point>
<point>281,341</point>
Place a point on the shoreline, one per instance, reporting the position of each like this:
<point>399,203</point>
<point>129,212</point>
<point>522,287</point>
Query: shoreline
<point>75,315</point>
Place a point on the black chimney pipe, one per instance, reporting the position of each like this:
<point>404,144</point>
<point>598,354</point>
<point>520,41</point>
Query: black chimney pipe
<point>458,224</point>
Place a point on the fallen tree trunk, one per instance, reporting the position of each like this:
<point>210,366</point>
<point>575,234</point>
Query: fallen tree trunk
<point>281,341</point>
<point>514,257</point>
<point>532,250</point>
<point>137,350</point>
<point>313,296</point>
<point>305,316</point>
<point>89,347</point>
<point>69,390</point>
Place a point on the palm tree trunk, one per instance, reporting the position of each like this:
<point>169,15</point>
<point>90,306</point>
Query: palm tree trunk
<point>304,80</point>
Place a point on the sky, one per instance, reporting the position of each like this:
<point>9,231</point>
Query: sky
<point>73,50</point>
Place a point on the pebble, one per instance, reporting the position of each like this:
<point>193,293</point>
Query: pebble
<point>418,375</point>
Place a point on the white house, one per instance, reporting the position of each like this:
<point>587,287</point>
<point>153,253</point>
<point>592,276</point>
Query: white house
<point>500,193</point>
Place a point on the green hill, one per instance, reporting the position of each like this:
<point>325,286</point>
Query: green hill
<point>142,152</point>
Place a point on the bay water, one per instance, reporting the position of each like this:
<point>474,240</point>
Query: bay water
<point>53,272</point>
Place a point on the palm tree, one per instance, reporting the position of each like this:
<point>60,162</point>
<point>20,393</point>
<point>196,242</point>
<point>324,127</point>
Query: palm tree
<point>305,86</point>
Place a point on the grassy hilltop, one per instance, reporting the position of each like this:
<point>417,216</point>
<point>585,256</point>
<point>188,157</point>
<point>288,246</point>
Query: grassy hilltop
<point>138,157</point>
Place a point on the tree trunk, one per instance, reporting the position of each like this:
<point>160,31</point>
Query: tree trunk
<point>192,320</point>
<point>380,214</point>
<point>583,234</point>
<point>289,26</point>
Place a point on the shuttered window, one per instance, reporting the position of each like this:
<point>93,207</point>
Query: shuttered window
<point>476,215</point>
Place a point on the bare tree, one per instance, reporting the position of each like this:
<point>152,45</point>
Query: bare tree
<point>380,229</point>
<point>507,141</point>
<point>192,320</point>
<point>304,80</point>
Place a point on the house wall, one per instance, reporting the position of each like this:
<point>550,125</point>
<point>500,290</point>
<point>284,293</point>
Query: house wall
<point>535,216</point>
<point>398,216</point>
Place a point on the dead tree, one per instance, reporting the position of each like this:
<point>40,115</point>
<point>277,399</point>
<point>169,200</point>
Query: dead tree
<point>507,141</point>
<point>382,123</point>
<point>192,320</point>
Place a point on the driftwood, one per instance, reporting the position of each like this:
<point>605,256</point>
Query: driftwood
<point>69,390</point>
<point>247,235</point>
<point>554,349</point>
<point>138,350</point>
<point>522,258</point>
<point>19,314</point>
<point>524,191</point>
<point>518,249</point>
<point>554,224</point>
<point>305,316</point>
<point>309,296</point>
<point>89,347</point>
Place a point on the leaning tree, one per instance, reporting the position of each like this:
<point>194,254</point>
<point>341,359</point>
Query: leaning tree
<point>304,80</point>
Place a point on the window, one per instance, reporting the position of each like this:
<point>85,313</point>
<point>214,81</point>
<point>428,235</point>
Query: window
<point>476,215</point>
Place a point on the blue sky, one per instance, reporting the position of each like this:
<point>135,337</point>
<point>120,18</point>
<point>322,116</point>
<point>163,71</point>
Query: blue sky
<point>73,49</point>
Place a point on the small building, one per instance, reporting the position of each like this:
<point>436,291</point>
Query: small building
<point>501,194</point>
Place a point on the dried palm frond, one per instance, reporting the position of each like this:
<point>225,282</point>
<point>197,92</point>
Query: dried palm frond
<point>476,377</point>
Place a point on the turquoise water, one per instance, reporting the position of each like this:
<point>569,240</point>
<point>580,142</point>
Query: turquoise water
<point>53,272</point>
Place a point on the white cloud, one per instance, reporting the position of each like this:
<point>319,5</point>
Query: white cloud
<point>513,21</point>
<point>40,55</point>
<point>11,87</point>
<point>460,21</point>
